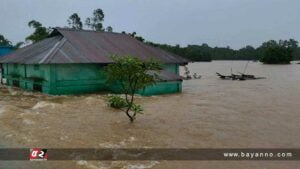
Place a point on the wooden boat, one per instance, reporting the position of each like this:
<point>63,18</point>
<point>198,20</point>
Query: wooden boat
<point>237,77</point>
<point>247,76</point>
<point>241,77</point>
<point>223,76</point>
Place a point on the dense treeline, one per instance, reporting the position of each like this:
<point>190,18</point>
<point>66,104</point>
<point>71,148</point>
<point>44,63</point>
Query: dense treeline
<point>281,52</point>
<point>206,53</point>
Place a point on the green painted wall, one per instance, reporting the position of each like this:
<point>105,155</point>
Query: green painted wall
<point>24,74</point>
<point>162,88</point>
<point>174,68</point>
<point>65,79</point>
<point>78,78</point>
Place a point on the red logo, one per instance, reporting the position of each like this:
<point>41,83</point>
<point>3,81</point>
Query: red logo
<point>38,154</point>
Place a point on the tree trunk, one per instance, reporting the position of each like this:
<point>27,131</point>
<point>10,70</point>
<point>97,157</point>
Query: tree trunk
<point>131,117</point>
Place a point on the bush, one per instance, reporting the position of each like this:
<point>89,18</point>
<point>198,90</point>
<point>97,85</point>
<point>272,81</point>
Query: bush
<point>116,102</point>
<point>119,103</point>
<point>137,108</point>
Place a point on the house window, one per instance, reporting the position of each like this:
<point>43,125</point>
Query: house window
<point>36,67</point>
<point>16,83</point>
<point>37,87</point>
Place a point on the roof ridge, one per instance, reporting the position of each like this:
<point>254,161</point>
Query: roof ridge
<point>54,50</point>
<point>86,46</point>
<point>86,30</point>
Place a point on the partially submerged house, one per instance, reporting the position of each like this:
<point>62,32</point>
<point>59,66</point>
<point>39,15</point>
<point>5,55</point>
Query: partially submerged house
<point>72,61</point>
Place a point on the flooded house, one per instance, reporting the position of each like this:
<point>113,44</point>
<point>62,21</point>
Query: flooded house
<point>71,62</point>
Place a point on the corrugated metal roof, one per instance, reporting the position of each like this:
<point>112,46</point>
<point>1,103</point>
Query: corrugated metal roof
<point>82,46</point>
<point>164,75</point>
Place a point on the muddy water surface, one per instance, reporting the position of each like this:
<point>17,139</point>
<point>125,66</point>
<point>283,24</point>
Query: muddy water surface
<point>210,113</point>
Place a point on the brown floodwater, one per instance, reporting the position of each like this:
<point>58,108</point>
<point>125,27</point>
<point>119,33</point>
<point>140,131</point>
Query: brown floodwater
<point>209,113</point>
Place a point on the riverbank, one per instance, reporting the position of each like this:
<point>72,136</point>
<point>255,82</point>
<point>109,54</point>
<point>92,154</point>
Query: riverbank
<point>210,113</point>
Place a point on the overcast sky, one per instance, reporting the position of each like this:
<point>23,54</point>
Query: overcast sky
<point>217,22</point>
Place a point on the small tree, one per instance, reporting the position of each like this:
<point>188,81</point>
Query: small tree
<point>96,21</point>
<point>109,29</point>
<point>74,21</point>
<point>39,33</point>
<point>4,41</point>
<point>132,75</point>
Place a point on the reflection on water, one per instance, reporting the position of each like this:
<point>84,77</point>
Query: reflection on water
<point>210,113</point>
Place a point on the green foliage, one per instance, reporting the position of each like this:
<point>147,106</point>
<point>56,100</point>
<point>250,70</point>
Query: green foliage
<point>139,38</point>
<point>74,21</point>
<point>296,54</point>
<point>4,41</point>
<point>247,53</point>
<point>18,45</point>
<point>39,33</point>
<point>206,53</point>
<point>198,53</point>
<point>95,22</point>
<point>116,102</point>
<point>109,29</point>
<point>137,108</point>
<point>131,74</point>
<point>278,52</point>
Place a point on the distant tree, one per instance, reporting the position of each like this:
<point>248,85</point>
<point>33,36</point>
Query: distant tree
<point>297,54</point>
<point>206,53</point>
<point>132,75</point>
<point>109,29</point>
<point>4,41</point>
<point>39,33</point>
<point>74,21</point>
<point>18,45</point>
<point>197,53</point>
<point>278,52</point>
<point>247,53</point>
<point>95,22</point>
<point>139,38</point>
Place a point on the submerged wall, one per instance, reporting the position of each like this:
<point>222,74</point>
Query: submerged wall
<point>78,78</point>
<point>65,79</point>
<point>29,77</point>
<point>162,88</point>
